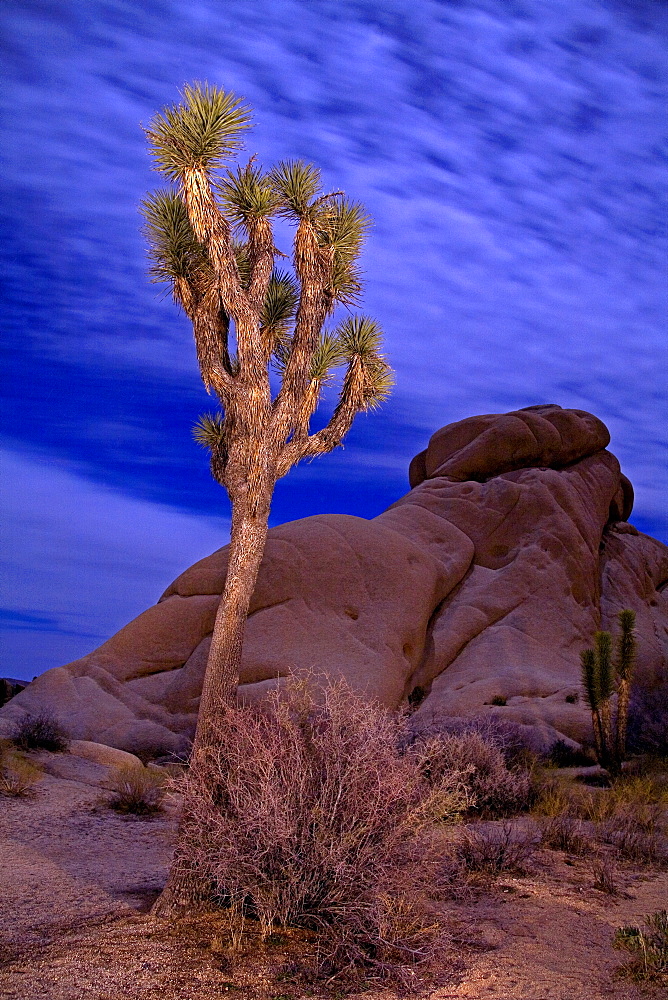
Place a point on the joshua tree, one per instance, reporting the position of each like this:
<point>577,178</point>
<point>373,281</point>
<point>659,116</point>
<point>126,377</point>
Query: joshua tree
<point>604,675</point>
<point>211,239</point>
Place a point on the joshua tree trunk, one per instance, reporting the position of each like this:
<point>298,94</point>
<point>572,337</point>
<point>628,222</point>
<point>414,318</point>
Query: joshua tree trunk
<point>623,699</point>
<point>247,542</point>
<point>248,538</point>
<point>607,749</point>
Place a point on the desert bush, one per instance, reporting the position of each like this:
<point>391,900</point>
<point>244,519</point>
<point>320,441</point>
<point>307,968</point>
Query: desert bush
<point>648,947</point>
<point>496,789</point>
<point>563,755</point>
<point>17,775</point>
<point>495,848</point>
<point>566,833</point>
<point>41,732</point>
<point>136,789</point>
<point>631,817</point>
<point>637,791</point>
<point>552,797</point>
<point>605,875</point>
<point>636,838</point>
<point>517,746</point>
<point>450,878</point>
<point>310,814</point>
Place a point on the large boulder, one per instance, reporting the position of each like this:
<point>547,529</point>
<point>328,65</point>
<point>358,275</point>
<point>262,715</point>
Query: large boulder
<point>481,585</point>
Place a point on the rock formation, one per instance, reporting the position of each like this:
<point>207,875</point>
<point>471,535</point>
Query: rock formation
<point>10,686</point>
<point>481,585</point>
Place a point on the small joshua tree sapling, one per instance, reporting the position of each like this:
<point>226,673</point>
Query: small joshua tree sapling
<point>605,673</point>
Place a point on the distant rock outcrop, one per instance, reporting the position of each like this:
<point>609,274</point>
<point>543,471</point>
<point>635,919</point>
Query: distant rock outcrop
<point>9,687</point>
<point>481,585</point>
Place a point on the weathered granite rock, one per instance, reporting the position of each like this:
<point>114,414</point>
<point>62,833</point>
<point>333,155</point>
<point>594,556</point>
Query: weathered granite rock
<point>483,583</point>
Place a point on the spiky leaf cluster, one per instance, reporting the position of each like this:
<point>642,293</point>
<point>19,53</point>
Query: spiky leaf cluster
<point>624,660</point>
<point>598,676</point>
<point>361,338</point>
<point>204,130</point>
<point>298,189</point>
<point>248,195</point>
<point>590,679</point>
<point>342,228</point>
<point>209,430</point>
<point>328,355</point>
<point>174,250</point>
<point>280,305</point>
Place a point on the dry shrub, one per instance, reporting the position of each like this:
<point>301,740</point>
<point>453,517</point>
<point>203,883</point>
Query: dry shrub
<point>41,732</point>
<point>17,775</point>
<point>562,754</point>
<point>450,877</point>
<point>648,946</point>
<point>636,838</point>
<point>495,848</point>
<point>309,814</point>
<point>566,833</point>
<point>496,789</point>
<point>605,875</point>
<point>136,789</point>
<point>631,817</point>
<point>552,797</point>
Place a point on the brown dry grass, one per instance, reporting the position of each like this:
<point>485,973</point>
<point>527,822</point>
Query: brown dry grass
<point>630,816</point>
<point>18,775</point>
<point>136,789</point>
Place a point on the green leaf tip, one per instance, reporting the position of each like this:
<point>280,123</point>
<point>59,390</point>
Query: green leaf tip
<point>203,130</point>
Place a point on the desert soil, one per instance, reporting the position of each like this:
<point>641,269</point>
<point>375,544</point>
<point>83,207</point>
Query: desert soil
<point>77,882</point>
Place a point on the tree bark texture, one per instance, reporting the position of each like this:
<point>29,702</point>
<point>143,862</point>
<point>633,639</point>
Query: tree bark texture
<point>249,534</point>
<point>248,538</point>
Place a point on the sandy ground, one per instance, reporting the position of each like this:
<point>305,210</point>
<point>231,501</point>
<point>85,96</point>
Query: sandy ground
<point>77,881</point>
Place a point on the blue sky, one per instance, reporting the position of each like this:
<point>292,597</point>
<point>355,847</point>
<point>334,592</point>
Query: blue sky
<point>513,156</point>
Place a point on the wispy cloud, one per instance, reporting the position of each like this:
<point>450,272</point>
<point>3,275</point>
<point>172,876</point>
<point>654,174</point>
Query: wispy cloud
<point>79,561</point>
<point>512,155</point>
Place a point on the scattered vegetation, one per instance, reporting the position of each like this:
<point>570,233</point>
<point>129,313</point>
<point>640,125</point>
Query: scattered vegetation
<point>563,755</point>
<point>41,732</point>
<point>497,787</point>
<point>17,775</point>
<point>605,674</point>
<point>499,700</point>
<point>630,816</point>
<point>137,789</point>
<point>648,947</point>
<point>605,875</point>
<point>566,833</point>
<point>495,848</point>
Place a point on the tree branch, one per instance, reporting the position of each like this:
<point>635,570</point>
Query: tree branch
<point>261,254</point>
<point>311,265</point>
<point>331,436</point>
